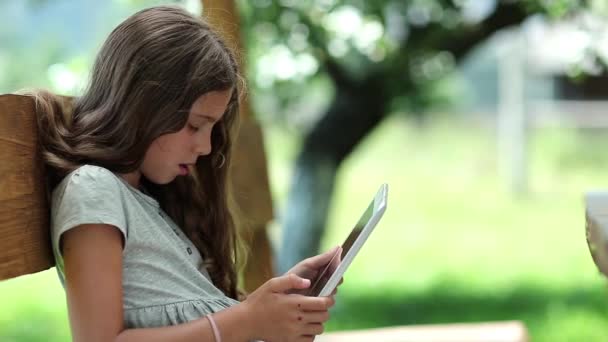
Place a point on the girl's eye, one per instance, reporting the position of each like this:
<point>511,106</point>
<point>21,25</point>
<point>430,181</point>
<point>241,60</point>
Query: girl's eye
<point>193,128</point>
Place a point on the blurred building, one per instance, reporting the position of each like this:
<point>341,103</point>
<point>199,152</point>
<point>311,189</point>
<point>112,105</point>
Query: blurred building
<point>562,66</point>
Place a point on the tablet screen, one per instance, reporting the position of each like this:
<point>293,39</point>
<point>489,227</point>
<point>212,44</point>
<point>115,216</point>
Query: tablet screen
<point>319,282</point>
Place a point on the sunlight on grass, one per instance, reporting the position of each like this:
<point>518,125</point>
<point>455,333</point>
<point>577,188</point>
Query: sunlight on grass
<point>33,309</point>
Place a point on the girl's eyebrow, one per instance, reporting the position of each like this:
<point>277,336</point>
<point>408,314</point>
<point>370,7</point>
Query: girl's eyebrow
<point>208,117</point>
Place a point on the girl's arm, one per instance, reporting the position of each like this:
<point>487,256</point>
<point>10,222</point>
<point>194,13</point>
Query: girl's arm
<point>92,255</point>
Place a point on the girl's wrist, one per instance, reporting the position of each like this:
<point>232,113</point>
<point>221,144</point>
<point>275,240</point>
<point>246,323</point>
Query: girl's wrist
<point>248,320</point>
<point>235,323</point>
<point>217,336</point>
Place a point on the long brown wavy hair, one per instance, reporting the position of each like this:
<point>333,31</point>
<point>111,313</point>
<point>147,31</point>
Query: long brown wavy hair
<point>146,76</point>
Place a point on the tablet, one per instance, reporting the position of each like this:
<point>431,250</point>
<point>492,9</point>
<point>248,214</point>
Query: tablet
<point>325,283</point>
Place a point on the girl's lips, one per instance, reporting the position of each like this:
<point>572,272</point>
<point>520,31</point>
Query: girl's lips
<point>183,169</point>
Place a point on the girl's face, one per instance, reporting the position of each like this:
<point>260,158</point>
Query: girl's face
<point>170,154</point>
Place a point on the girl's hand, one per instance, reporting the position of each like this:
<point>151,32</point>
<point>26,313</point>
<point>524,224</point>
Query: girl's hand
<point>311,267</point>
<point>281,317</point>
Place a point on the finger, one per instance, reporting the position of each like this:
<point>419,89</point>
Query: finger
<point>315,303</point>
<point>333,294</point>
<point>287,282</point>
<point>313,329</point>
<point>308,273</point>
<point>335,291</point>
<point>315,316</point>
<point>320,260</point>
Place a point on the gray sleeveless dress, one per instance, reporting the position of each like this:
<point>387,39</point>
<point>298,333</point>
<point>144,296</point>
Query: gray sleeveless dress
<point>164,282</point>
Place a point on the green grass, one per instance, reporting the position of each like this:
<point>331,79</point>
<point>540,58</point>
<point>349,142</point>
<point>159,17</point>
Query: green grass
<point>33,309</point>
<point>454,245</point>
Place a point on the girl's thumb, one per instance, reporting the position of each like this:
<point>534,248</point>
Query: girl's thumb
<point>288,282</point>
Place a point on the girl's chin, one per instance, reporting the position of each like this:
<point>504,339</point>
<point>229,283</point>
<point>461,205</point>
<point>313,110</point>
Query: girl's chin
<point>162,180</point>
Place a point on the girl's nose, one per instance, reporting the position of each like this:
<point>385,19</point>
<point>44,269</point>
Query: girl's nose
<point>203,151</point>
<point>203,147</point>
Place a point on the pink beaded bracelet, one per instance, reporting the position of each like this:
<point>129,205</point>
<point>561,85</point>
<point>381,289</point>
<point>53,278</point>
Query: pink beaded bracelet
<point>216,331</point>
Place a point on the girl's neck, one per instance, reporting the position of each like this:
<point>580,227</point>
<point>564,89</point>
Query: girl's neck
<point>132,178</point>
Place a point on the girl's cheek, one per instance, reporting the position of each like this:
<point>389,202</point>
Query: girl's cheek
<point>192,144</point>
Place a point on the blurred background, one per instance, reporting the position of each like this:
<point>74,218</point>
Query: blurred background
<point>488,119</point>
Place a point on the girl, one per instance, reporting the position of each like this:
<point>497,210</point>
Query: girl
<point>143,237</point>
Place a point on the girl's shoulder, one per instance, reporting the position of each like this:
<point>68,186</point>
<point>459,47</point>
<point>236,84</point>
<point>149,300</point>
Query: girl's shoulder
<point>88,195</point>
<point>88,179</point>
<point>92,181</point>
<point>93,172</point>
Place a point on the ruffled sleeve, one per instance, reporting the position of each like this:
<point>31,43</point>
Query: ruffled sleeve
<point>175,313</point>
<point>88,195</point>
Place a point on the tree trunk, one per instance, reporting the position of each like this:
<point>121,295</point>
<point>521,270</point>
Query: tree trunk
<point>357,108</point>
<point>249,175</point>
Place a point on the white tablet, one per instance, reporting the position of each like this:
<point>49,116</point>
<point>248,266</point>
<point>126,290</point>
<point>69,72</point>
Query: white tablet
<point>328,279</point>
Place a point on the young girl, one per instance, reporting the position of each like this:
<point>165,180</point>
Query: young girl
<point>142,233</point>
